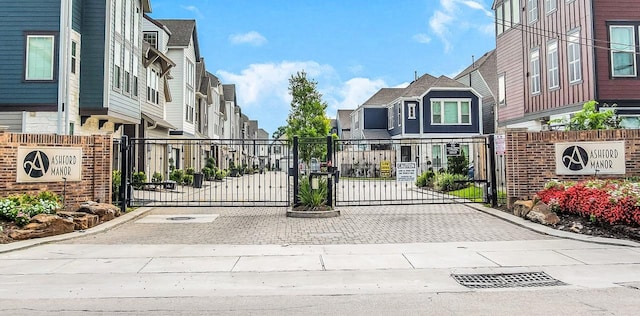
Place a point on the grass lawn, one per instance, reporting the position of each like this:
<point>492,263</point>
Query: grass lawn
<point>474,194</point>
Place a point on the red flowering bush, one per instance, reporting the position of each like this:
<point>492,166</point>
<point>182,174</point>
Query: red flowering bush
<point>612,202</point>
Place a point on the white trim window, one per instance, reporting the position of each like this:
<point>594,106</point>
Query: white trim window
<point>189,101</point>
<point>550,6</point>
<point>534,57</point>
<point>136,67</point>
<point>553,68</point>
<point>502,94</point>
<point>499,19</point>
<point>74,56</point>
<point>532,10</point>
<point>436,157</point>
<point>117,66</point>
<point>451,112</point>
<point>40,57</point>
<point>573,56</point>
<point>412,111</point>
<point>190,73</point>
<point>399,105</point>
<point>118,16</point>
<point>153,78</point>
<point>136,26</point>
<point>515,8</point>
<point>623,50</point>
<point>127,20</point>
<point>127,71</point>
<point>390,115</point>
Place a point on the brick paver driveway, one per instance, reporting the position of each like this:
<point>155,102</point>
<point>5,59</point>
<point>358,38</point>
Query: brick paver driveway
<point>356,225</point>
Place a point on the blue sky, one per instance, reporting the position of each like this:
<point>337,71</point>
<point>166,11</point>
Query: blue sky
<point>352,48</point>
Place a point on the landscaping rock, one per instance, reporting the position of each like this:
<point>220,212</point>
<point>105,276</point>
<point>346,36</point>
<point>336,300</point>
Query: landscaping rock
<point>522,208</point>
<point>43,225</point>
<point>542,214</point>
<point>105,212</point>
<point>81,220</point>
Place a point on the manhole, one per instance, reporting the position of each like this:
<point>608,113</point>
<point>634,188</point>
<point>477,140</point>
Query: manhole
<point>506,280</point>
<point>180,218</point>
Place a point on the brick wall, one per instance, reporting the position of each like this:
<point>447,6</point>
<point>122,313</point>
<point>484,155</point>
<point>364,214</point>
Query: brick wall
<point>96,166</point>
<point>530,157</point>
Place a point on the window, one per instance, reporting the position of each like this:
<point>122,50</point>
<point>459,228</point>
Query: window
<point>190,99</point>
<point>151,38</point>
<point>515,8</point>
<point>535,70</point>
<point>40,54</point>
<point>74,56</point>
<point>153,78</point>
<point>553,70</point>
<point>451,112</point>
<point>501,92</point>
<point>135,77</point>
<point>390,118</point>
<point>190,76</point>
<point>550,5</point>
<point>127,20</point>
<point>118,16</point>
<point>127,71</point>
<point>412,111</point>
<point>573,56</point>
<point>532,10</point>
<point>399,114</point>
<point>631,122</point>
<point>136,27</point>
<point>623,50</point>
<point>436,156</point>
<point>117,68</point>
<point>507,15</point>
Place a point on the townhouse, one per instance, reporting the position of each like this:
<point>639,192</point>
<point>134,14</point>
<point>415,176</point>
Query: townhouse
<point>554,55</point>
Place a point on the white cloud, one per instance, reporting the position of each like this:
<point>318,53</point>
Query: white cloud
<point>193,9</point>
<point>357,90</point>
<point>422,38</point>
<point>253,38</point>
<point>268,83</point>
<point>456,15</point>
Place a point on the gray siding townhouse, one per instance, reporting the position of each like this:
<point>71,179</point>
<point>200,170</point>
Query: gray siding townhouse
<point>43,65</point>
<point>482,76</point>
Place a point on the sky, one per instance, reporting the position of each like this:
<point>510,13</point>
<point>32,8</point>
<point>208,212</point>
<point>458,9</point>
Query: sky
<point>351,48</point>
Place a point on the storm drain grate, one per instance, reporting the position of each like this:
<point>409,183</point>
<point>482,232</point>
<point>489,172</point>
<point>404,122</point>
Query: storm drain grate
<point>506,280</point>
<point>180,218</point>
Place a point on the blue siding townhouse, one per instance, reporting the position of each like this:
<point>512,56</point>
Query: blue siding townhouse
<point>71,66</point>
<point>422,118</point>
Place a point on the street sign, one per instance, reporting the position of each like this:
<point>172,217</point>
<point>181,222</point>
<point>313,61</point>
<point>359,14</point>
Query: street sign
<point>405,171</point>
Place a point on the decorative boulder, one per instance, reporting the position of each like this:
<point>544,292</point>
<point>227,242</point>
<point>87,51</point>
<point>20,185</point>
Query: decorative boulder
<point>105,212</point>
<point>43,225</point>
<point>81,220</point>
<point>522,208</point>
<point>542,214</point>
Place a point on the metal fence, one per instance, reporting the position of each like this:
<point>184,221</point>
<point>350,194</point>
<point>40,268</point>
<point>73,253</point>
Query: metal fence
<point>206,172</point>
<point>389,171</point>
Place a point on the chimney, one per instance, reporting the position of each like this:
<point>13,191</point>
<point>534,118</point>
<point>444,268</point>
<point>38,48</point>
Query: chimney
<point>415,75</point>
<point>473,61</point>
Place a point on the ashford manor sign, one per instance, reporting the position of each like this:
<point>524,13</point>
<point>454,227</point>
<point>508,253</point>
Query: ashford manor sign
<point>49,164</point>
<point>590,158</point>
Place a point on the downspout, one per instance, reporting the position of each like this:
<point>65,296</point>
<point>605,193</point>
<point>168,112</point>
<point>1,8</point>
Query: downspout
<point>62,58</point>
<point>67,110</point>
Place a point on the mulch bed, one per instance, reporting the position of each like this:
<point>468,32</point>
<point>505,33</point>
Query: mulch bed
<point>581,225</point>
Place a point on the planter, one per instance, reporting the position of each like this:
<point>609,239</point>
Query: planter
<point>198,178</point>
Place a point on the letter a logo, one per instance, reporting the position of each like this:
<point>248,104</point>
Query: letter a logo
<point>575,158</point>
<point>36,164</point>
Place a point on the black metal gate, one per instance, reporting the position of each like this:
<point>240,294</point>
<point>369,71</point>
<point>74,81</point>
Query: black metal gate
<point>417,171</point>
<point>205,172</point>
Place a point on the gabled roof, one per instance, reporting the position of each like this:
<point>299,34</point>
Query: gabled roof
<point>376,134</point>
<point>419,86</point>
<point>146,6</point>
<point>384,96</point>
<point>181,33</point>
<point>229,91</point>
<point>344,117</point>
<point>487,66</point>
<point>214,80</point>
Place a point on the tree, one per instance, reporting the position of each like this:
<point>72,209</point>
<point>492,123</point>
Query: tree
<point>279,132</point>
<point>307,116</point>
<point>590,118</point>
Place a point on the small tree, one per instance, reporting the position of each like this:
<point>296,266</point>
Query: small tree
<point>590,118</point>
<point>307,116</point>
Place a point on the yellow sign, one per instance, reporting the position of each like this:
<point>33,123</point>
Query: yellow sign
<point>385,168</point>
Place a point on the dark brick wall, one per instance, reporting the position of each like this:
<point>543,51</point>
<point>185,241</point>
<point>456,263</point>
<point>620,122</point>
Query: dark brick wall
<point>530,157</point>
<point>96,166</point>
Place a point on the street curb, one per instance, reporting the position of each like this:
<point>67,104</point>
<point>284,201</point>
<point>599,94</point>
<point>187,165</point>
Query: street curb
<point>76,234</point>
<point>551,231</point>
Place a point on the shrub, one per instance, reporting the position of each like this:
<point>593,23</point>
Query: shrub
<point>157,177</point>
<point>458,165</point>
<point>190,171</point>
<point>220,174</point>
<point>176,175</point>
<point>449,182</point>
<point>209,173</point>
<point>188,179</point>
<point>425,179</point>
<point>139,177</point>
<point>310,197</point>
<point>20,208</point>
